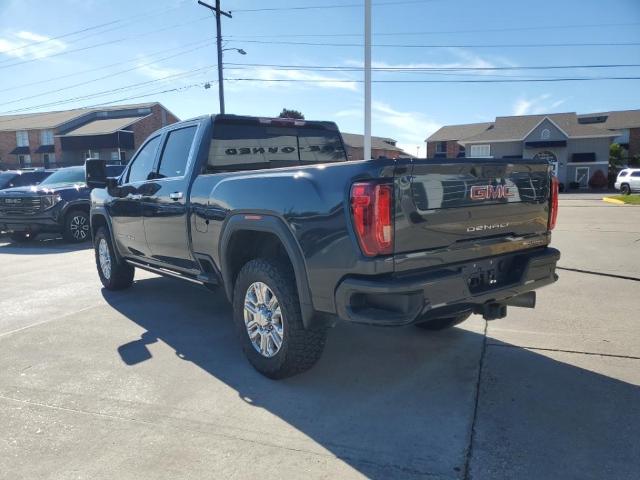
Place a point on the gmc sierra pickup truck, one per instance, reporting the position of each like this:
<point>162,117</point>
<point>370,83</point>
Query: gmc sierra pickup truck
<point>271,211</point>
<point>58,204</point>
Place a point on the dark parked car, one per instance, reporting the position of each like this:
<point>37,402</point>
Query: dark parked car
<point>59,204</point>
<point>271,211</point>
<point>22,178</point>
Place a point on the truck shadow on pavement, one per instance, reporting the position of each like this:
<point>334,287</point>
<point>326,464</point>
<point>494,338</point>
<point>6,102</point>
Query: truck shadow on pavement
<point>401,403</point>
<point>41,246</point>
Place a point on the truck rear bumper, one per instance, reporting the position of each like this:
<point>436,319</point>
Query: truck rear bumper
<point>403,299</point>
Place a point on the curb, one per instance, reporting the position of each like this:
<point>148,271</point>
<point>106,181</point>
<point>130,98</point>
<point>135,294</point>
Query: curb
<point>613,200</point>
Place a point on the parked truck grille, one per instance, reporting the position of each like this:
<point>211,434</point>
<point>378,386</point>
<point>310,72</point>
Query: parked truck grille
<point>20,205</point>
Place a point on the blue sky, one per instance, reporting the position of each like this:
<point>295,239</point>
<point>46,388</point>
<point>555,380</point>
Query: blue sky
<point>147,46</point>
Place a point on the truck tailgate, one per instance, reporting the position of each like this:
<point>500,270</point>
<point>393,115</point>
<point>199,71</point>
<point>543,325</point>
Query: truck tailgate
<point>458,204</point>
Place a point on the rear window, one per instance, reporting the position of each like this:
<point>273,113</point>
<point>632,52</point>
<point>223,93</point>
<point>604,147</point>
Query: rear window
<point>238,146</point>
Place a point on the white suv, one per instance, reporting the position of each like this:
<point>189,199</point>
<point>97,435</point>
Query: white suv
<point>628,181</point>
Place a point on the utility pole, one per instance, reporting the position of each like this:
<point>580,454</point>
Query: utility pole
<point>218,12</point>
<point>367,80</point>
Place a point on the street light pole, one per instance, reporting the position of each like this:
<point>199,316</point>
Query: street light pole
<point>367,80</point>
<point>219,42</point>
<point>218,12</point>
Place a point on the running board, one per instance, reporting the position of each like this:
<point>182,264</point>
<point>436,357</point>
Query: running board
<point>163,271</point>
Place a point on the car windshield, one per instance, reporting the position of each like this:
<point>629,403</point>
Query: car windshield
<point>5,178</point>
<point>66,175</point>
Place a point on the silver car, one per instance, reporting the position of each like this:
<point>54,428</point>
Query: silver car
<point>628,181</point>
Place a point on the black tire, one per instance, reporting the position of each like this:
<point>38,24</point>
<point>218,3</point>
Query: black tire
<point>443,323</point>
<point>76,226</point>
<point>300,348</point>
<point>22,237</point>
<point>625,189</point>
<point>120,274</point>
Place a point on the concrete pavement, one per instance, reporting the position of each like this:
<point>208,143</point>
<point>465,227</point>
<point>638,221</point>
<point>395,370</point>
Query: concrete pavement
<point>151,383</point>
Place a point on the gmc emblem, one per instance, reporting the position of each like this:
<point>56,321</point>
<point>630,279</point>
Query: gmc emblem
<point>490,192</point>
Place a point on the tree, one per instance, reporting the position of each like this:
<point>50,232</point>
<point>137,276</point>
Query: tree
<point>617,155</point>
<point>286,113</point>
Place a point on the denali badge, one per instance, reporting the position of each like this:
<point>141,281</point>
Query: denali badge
<point>490,226</point>
<point>490,192</point>
<point>13,200</point>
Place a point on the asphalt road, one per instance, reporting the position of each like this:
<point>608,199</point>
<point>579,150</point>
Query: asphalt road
<point>151,382</point>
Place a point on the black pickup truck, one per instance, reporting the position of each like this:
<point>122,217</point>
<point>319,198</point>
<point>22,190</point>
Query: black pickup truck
<point>57,204</point>
<point>297,236</point>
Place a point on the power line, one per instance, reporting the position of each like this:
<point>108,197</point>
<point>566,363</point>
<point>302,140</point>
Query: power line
<point>123,21</point>
<point>109,42</point>
<point>322,7</point>
<point>491,45</point>
<point>185,87</point>
<point>110,91</point>
<point>104,77</point>
<point>511,80</point>
<point>436,32</point>
<point>116,64</point>
<point>431,69</point>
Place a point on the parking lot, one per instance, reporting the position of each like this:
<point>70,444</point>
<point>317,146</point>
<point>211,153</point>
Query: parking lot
<point>151,382</point>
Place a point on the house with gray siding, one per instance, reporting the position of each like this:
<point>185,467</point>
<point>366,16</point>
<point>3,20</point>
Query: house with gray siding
<point>575,149</point>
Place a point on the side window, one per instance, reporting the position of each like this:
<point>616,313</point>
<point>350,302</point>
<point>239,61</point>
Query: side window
<point>143,163</point>
<point>635,174</point>
<point>175,155</point>
<point>21,180</point>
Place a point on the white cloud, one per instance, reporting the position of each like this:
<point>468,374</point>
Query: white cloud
<point>303,79</point>
<point>156,72</point>
<point>461,58</point>
<point>536,105</point>
<point>407,127</point>
<point>29,45</point>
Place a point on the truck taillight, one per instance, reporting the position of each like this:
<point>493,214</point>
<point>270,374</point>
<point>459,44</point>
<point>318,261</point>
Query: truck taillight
<point>371,209</point>
<point>553,202</point>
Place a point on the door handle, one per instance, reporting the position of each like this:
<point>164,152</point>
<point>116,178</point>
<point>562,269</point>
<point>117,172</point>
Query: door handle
<point>175,195</point>
<point>131,196</point>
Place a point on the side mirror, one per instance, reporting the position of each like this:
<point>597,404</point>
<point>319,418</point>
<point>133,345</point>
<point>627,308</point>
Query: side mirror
<point>95,172</point>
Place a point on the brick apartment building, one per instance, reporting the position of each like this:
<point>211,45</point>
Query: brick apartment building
<point>63,138</point>
<point>380,147</point>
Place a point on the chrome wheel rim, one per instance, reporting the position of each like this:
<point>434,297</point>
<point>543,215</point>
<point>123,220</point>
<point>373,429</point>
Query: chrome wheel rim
<point>104,258</point>
<point>263,319</point>
<point>79,227</point>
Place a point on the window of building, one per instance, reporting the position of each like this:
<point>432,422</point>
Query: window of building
<point>441,147</point>
<point>48,160</point>
<point>91,154</point>
<point>461,151</point>
<point>597,119</point>
<point>46,137</point>
<point>25,160</point>
<point>480,150</point>
<point>115,156</point>
<point>22,138</point>
<point>583,157</point>
<point>545,134</point>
